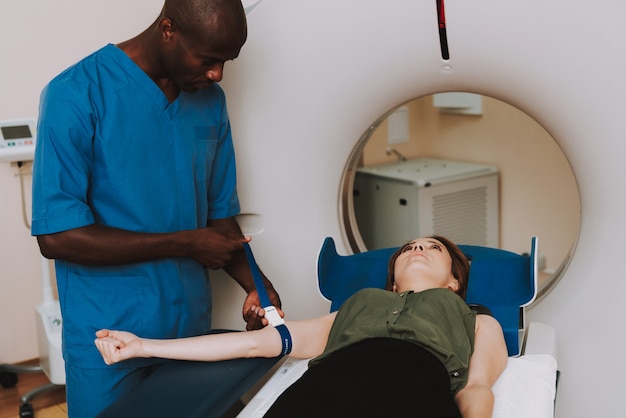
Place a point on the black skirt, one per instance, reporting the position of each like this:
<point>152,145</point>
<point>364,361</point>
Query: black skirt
<point>379,377</point>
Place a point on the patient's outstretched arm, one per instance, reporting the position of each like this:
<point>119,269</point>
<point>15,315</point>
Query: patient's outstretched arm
<point>309,338</point>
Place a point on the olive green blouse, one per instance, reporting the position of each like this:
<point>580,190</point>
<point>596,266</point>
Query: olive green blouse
<point>436,319</point>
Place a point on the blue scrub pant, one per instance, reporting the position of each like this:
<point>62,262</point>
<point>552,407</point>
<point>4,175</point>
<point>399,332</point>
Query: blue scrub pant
<point>90,391</point>
<point>191,389</point>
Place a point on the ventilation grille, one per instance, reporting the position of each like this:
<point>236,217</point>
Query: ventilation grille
<point>462,216</point>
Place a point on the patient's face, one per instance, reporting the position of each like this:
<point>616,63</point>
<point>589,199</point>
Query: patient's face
<point>423,264</point>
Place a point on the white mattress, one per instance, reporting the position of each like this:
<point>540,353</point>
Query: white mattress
<point>526,388</point>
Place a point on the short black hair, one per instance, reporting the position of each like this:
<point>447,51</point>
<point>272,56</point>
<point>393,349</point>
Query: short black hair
<point>195,17</point>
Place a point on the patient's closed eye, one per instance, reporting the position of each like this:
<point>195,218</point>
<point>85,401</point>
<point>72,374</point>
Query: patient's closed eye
<point>412,247</point>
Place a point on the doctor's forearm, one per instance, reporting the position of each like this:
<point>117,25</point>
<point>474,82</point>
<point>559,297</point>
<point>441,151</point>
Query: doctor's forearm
<point>96,244</point>
<point>239,270</point>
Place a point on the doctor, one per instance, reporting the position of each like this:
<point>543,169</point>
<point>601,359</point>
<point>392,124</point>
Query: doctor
<point>134,191</point>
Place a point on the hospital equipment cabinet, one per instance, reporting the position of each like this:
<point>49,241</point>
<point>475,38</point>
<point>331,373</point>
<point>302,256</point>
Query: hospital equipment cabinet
<point>396,202</point>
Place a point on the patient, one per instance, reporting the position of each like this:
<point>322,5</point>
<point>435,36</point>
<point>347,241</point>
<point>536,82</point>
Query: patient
<point>415,349</point>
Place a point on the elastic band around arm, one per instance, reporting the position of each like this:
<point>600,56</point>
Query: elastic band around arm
<point>285,338</point>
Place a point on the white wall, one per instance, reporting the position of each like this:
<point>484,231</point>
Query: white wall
<point>40,39</point>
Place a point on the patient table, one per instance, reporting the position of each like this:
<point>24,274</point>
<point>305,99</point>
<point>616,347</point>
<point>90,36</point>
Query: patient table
<point>502,281</point>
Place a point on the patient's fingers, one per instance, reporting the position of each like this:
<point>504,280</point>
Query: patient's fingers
<point>109,348</point>
<point>119,335</point>
<point>104,349</point>
<point>102,333</point>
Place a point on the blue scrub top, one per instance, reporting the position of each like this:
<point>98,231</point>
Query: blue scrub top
<point>112,150</point>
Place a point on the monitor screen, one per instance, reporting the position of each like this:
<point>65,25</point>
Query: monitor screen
<point>16,132</point>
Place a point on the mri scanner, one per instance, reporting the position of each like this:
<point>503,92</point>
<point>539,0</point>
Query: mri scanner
<point>313,78</point>
<point>316,75</point>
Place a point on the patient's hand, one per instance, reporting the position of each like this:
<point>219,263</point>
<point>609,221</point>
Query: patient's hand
<point>116,346</point>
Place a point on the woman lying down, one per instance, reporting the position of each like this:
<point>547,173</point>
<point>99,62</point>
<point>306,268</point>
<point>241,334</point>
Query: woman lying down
<point>413,350</point>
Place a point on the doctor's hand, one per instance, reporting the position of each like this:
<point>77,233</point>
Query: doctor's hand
<point>253,313</point>
<point>215,247</point>
<point>116,346</point>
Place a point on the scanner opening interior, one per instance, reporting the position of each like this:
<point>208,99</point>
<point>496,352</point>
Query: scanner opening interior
<point>538,194</point>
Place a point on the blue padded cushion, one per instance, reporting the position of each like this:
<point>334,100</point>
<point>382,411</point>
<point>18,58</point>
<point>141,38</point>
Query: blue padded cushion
<point>500,280</point>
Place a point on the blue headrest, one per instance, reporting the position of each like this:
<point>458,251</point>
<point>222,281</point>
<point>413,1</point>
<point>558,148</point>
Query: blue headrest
<point>500,280</point>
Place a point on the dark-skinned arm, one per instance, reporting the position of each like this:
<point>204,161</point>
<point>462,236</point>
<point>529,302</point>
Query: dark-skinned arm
<point>101,245</point>
<point>239,270</point>
<point>216,246</point>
